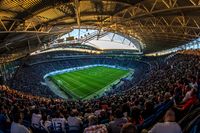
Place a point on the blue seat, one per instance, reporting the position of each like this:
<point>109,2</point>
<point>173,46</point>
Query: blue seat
<point>158,106</point>
<point>148,121</point>
<point>26,123</point>
<point>74,129</point>
<point>196,127</point>
<point>159,110</point>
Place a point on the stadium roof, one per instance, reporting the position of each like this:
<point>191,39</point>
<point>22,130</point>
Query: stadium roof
<point>102,40</point>
<point>159,24</point>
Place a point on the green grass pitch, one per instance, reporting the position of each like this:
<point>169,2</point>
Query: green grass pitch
<point>84,83</point>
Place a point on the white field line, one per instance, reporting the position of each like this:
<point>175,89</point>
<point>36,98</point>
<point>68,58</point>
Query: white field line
<point>93,92</point>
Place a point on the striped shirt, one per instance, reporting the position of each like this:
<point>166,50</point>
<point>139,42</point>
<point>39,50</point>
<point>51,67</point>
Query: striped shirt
<point>96,129</point>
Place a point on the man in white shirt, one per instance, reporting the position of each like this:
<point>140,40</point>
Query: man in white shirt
<point>116,125</point>
<point>35,120</point>
<point>188,95</point>
<point>74,122</point>
<point>169,125</point>
<point>16,127</point>
<point>46,124</point>
<point>59,122</point>
<point>193,82</point>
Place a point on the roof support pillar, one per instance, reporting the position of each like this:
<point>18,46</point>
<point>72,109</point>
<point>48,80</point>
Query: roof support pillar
<point>123,40</point>
<point>113,37</point>
<point>129,43</point>
<point>39,41</point>
<point>29,47</point>
<point>98,35</point>
<point>77,9</point>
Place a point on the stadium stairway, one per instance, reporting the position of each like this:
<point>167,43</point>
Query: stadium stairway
<point>195,125</point>
<point>159,112</point>
<point>190,123</point>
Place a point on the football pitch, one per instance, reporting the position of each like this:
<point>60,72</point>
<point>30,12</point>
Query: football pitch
<point>88,82</point>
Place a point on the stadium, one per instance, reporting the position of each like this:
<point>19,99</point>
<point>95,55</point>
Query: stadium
<point>100,66</point>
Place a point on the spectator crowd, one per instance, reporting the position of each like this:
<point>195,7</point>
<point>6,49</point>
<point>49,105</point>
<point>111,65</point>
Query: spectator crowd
<point>125,111</point>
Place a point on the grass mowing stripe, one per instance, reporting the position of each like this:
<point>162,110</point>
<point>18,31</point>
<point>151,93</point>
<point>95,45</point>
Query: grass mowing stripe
<point>101,81</point>
<point>79,76</point>
<point>87,81</point>
<point>73,81</point>
<point>62,87</point>
<point>69,83</point>
<point>84,77</point>
<point>90,84</point>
